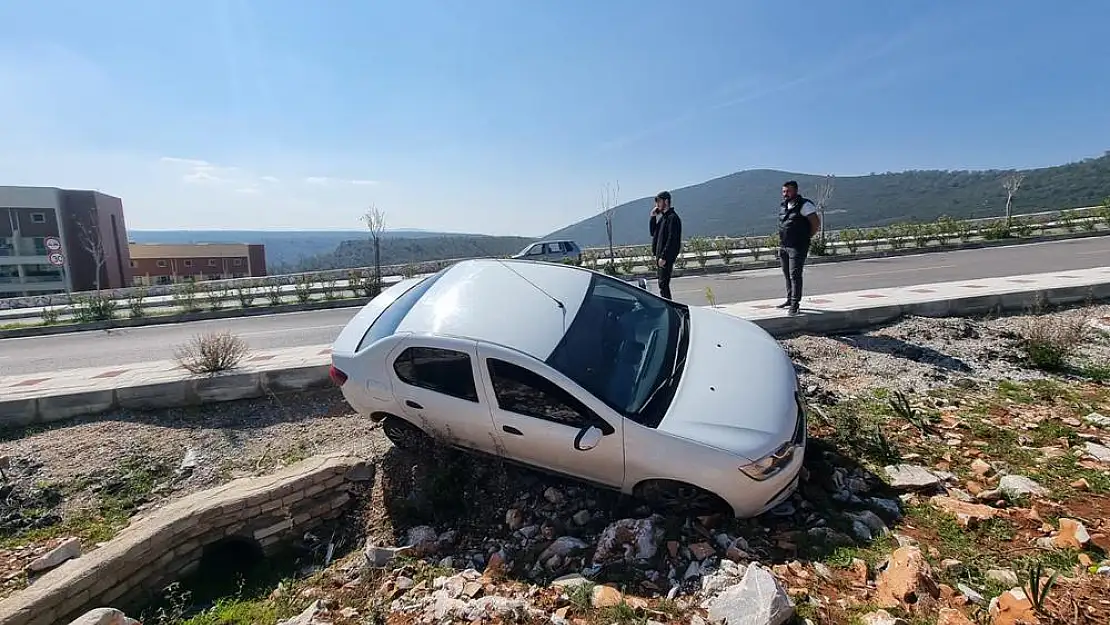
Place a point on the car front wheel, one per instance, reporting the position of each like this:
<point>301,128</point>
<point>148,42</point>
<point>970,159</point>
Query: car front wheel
<point>680,498</point>
<point>405,435</point>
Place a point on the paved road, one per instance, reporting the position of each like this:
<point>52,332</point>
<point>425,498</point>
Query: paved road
<point>89,349</point>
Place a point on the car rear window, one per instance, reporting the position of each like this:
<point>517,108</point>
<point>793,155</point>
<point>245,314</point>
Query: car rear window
<point>387,322</point>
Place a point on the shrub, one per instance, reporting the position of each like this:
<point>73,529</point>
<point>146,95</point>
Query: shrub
<point>896,236</point>
<point>755,246</point>
<point>1049,342</point>
<point>135,299</point>
<point>331,291</point>
<point>211,353</point>
<point>50,315</point>
<point>724,249</point>
<point>851,239</point>
<point>1066,220</point>
<point>185,296</point>
<point>996,230</point>
<point>945,229</point>
<point>244,292</point>
<point>1103,212</point>
<point>216,295</point>
<point>97,307</point>
<point>700,246</point>
<point>964,230</point>
<point>1021,227</point>
<point>627,259</point>
<point>273,293</point>
<point>819,246</point>
<point>302,287</point>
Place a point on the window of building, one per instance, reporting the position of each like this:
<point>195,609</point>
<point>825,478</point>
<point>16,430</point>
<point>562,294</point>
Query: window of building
<point>188,262</point>
<point>527,393</point>
<point>163,264</point>
<point>38,218</point>
<point>238,262</point>
<point>134,264</point>
<point>212,262</point>
<point>441,370</point>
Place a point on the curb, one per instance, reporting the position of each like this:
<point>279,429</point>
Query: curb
<point>910,251</point>
<point>234,386</point>
<point>205,315</point>
<point>193,391</point>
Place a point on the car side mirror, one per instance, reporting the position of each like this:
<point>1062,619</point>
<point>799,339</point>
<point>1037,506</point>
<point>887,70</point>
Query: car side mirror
<point>588,438</point>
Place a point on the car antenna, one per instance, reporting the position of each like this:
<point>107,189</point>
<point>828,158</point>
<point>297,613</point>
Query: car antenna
<point>538,288</point>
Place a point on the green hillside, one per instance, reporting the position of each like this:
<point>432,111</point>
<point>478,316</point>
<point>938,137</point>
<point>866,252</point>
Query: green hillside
<point>746,202</point>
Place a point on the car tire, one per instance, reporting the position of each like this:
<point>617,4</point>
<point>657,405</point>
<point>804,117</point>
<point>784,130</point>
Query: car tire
<point>679,498</point>
<point>405,435</point>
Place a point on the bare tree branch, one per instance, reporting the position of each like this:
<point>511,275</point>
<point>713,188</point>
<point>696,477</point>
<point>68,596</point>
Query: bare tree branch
<point>1011,184</point>
<point>88,237</point>
<point>609,194</point>
<point>374,218</point>
<point>825,189</point>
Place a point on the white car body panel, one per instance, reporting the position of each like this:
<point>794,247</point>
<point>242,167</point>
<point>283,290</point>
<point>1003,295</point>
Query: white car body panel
<point>735,401</point>
<point>481,296</point>
<point>738,393</point>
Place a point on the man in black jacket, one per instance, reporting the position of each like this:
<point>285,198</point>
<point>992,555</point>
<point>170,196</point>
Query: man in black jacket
<point>798,222</point>
<point>666,240</point>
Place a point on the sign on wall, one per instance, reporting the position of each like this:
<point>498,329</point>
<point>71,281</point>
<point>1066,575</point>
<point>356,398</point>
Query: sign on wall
<point>52,243</point>
<point>57,259</point>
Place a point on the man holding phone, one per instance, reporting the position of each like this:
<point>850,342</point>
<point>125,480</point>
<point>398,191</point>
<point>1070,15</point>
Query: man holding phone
<point>666,240</point>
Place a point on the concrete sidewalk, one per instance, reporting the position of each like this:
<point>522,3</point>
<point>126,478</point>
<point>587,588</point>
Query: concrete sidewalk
<point>39,398</point>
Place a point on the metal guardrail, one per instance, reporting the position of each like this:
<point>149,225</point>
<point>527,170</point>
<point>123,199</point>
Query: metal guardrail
<point>636,255</point>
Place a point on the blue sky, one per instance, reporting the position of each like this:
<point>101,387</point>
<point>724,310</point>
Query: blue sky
<point>508,116</point>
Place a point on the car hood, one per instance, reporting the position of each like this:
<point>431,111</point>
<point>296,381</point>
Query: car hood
<point>737,392</point>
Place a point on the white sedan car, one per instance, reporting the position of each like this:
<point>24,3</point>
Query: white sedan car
<point>571,371</point>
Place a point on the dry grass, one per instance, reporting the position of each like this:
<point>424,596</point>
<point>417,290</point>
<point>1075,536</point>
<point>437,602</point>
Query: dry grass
<point>211,353</point>
<point>1050,342</point>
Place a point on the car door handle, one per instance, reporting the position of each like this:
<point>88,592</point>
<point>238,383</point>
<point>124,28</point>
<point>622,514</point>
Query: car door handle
<point>413,405</point>
<point>511,430</point>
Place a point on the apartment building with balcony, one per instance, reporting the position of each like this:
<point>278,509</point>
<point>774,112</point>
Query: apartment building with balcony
<point>164,263</point>
<point>61,240</point>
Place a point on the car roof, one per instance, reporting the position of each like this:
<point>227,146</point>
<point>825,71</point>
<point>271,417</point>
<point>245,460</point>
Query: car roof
<point>513,303</point>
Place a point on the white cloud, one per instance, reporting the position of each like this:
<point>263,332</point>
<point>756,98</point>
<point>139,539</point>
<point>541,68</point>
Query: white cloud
<point>317,180</point>
<point>364,183</point>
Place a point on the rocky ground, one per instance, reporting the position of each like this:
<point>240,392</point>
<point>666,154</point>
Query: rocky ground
<point>945,473</point>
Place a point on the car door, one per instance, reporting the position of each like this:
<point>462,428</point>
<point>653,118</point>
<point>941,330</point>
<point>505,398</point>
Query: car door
<point>541,422</point>
<point>435,384</point>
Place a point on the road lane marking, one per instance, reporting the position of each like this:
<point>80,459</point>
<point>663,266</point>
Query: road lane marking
<point>890,271</point>
<point>284,330</point>
<point>1093,252</point>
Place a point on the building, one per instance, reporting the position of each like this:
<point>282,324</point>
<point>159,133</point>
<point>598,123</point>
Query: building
<point>60,240</point>
<point>159,263</point>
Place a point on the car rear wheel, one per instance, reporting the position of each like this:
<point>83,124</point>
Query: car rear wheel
<point>405,435</point>
<point>679,498</point>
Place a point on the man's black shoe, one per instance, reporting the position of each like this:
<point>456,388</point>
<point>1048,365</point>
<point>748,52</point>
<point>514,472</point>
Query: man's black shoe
<point>794,311</point>
<point>785,304</point>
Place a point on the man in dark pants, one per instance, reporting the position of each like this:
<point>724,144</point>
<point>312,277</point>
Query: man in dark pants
<point>798,222</point>
<point>666,240</point>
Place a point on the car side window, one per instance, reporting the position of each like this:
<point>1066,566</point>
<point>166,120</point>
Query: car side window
<point>535,250</point>
<point>444,371</point>
<point>527,393</point>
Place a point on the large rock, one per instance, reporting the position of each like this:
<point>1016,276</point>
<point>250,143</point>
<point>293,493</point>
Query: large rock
<point>1019,486</point>
<point>1012,608</point>
<point>308,617</point>
<point>1100,453</point>
<point>758,599</point>
<point>68,550</point>
<point>628,540</point>
<point>104,616</point>
<point>907,582</point>
<point>881,617</point>
<point>911,477</point>
<point>967,514</point>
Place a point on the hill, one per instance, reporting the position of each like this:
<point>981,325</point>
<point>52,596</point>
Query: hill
<point>403,250</point>
<point>284,248</point>
<point>746,202</point>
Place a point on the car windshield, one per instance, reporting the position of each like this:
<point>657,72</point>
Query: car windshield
<point>620,346</point>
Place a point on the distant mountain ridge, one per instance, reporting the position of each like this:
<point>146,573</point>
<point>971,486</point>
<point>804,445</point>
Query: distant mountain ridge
<point>287,248</point>
<point>746,202</point>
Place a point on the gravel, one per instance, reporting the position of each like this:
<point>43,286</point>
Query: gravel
<point>919,353</point>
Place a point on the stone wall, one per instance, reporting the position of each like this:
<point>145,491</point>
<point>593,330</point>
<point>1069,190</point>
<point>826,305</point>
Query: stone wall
<point>168,544</point>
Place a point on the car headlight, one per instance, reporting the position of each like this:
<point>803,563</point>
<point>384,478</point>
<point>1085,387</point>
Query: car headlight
<point>769,465</point>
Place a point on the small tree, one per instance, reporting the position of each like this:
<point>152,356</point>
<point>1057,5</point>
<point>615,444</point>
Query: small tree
<point>1011,184</point>
<point>88,237</point>
<point>824,194</point>
<point>609,195</point>
<point>375,222</point>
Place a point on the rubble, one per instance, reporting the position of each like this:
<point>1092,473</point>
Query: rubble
<point>759,599</point>
<point>1019,487</point>
<point>68,550</point>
